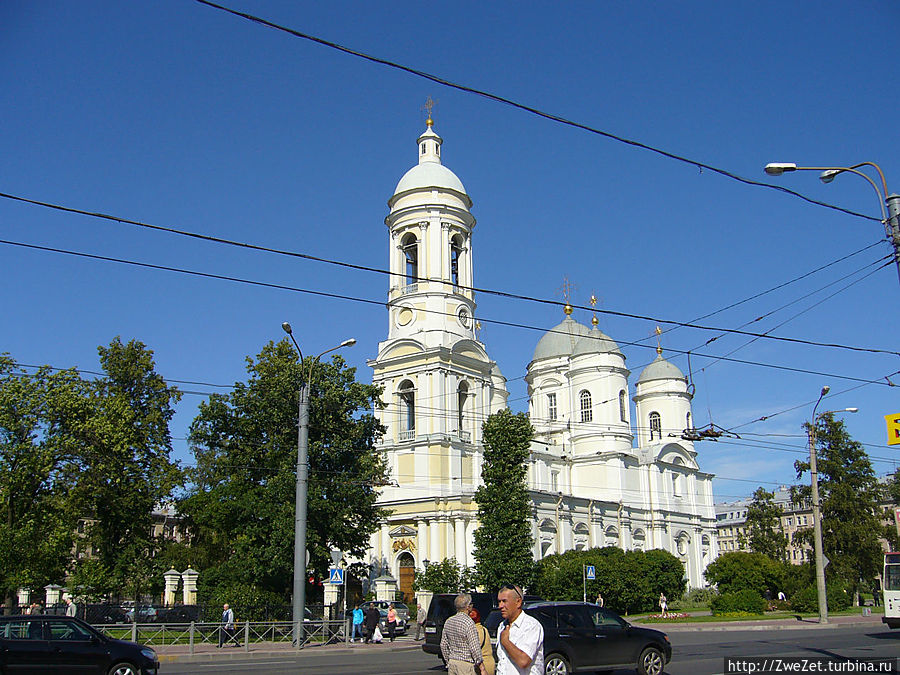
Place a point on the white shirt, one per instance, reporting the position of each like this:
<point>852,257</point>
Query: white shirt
<point>527,634</point>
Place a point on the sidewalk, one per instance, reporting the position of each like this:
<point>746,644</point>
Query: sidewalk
<point>209,652</point>
<point>794,623</point>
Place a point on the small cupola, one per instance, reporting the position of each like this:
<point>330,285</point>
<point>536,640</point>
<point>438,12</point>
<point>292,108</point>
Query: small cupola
<point>430,144</point>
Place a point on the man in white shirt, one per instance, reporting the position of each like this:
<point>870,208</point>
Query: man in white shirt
<point>520,645</point>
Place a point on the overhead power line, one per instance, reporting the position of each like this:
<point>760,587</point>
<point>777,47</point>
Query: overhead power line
<point>474,289</point>
<point>529,109</point>
<point>367,301</point>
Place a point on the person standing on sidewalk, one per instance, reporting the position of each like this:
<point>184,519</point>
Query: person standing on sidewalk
<point>459,640</point>
<point>227,627</point>
<point>520,637</point>
<point>357,625</point>
<point>71,607</point>
<point>420,621</point>
<point>373,616</point>
<point>392,621</point>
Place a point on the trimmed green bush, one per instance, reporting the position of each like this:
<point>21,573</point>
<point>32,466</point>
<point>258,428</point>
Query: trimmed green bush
<point>739,601</point>
<point>807,599</point>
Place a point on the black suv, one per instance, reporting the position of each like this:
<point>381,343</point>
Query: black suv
<point>63,644</point>
<point>579,637</point>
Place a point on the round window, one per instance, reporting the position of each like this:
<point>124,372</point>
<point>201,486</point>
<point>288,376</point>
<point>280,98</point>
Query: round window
<point>464,318</point>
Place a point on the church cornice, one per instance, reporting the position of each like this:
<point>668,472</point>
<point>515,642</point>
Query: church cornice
<point>394,219</point>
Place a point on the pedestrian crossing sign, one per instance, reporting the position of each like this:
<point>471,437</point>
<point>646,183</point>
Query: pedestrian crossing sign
<point>591,572</point>
<point>335,575</point>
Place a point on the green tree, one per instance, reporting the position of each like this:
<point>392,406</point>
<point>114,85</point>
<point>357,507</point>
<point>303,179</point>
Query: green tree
<point>126,461</point>
<point>763,525</point>
<point>849,497</point>
<point>37,463</point>
<point>446,576</point>
<point>630,581</point>
<point>739,570</point>
<point>239,511</point>
<point>503,540</point>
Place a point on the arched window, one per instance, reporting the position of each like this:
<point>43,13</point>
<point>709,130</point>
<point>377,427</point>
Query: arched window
<point>410,247</point>
<point>655,426</point>
<point>462,393</point>
<point>688,424</point>
<point>456,245</point>
<point>623,406</point>
<point>587,413</point>
<point>407,406</point>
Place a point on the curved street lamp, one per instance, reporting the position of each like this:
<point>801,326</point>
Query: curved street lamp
<point>817,509</point>
<point>302,488</point>
<point>890,217</point>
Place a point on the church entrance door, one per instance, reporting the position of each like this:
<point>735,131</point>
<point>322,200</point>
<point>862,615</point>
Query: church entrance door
<point>407,569</point>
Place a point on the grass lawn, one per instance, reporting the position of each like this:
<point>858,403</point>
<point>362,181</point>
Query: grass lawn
<point>853,611</point>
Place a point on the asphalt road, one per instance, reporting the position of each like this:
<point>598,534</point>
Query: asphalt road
<point>694,653</point>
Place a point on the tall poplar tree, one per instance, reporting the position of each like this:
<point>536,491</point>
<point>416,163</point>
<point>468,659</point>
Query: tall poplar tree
<point>503,541</point>
<point>764,532</point>
<point>849,494</point>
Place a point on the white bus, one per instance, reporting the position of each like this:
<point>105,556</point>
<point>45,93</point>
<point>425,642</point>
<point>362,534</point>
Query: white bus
<point>891,583</point>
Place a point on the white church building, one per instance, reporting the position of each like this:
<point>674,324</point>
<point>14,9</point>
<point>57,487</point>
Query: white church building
<point>597,476</point>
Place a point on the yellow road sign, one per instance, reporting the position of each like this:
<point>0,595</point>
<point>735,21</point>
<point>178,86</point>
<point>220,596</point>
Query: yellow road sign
<point>893,428</point>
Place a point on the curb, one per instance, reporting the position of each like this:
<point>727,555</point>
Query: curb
<point>206,657</point>
<point>738,626</point>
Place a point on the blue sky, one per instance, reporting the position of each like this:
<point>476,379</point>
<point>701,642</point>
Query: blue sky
<point>176,114</point>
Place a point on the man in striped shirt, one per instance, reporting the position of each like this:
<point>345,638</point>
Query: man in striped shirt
<point>459,640</point>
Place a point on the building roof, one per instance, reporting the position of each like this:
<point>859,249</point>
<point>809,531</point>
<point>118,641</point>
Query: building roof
<point>660,369</point>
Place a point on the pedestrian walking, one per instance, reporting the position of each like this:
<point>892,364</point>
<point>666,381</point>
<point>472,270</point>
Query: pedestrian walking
<point>663,605</point>
<point>392,621</point>
<point>420,621</point>
<point>371,622</point>
<point>599,600</point>
<point>520,642</point>
<point>226,630</point>
<point>71,607</point>
<point>484,639</point>
<point>459,640</point>
<point>357,625</point>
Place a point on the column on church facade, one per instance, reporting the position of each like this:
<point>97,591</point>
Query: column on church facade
<point>445,251</point>
<point>422,540</point>
<point>470,542</point>
<point>449,540</point>
<point>459,527</point>
<point>434,547</point>
<point>385,546</point>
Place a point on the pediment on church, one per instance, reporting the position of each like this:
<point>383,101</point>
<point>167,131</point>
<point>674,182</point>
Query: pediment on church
<point>677,454</point>
<point>470,349</point>
<point>403,531</point>
<point>401,348</point>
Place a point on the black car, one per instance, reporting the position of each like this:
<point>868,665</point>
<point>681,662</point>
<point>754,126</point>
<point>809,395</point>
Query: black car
<point>579,637</point>
<point>62,644</point>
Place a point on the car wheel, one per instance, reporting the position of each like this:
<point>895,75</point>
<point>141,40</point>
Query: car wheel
<point>651,662</point>
<point>556,664</point>
<point>124,669</point>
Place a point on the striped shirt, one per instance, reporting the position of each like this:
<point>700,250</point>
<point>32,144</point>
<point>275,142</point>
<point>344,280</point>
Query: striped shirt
<point>459,640</point>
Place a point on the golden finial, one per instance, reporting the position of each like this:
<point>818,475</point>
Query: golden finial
<point>658,344</point>
<point>478,325</point>
<point>567,289</point>
<point>594,320</point>
<point>428,107</point>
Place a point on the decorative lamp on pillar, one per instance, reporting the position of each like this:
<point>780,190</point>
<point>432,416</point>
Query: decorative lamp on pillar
<point>190,586</point>
<point>172,577</point>
<point>24,596</point>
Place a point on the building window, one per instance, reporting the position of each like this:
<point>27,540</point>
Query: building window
<point>655,426</point>
<point>407,405</point>
<point>688,425</point>
<point>554,481</point>
<point>410,246</point>
<point>462,393</point>
<point>455,255</point>
<point>623,406</point>
<point>551,407</point>
<point>423,148</point>
<point>587,414</point>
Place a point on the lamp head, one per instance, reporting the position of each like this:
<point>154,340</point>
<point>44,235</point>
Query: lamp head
<point>825,389</point>
<point>851,410</point>
<point>287,328</point>
<point>778,168</point>
<point>828,175</point>
<point>348,343</point>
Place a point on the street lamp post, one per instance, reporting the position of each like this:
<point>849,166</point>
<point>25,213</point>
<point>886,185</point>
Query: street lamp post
<point>302,486</point>
<point>890,218</point>
<point>817,509</point>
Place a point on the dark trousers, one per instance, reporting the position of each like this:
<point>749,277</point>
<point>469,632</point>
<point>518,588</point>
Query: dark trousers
<point>226,635</point>
<point>392,629</point>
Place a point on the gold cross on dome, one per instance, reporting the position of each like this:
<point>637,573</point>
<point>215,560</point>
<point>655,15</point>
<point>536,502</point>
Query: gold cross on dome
<point>428,107</point>
<point>566,290</point>
<point>658,332</point>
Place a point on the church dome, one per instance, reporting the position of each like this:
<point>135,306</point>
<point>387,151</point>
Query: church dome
<point>560,340</point>
<point>660,369</point>
<point>429,173</point>
<point>596,342</point>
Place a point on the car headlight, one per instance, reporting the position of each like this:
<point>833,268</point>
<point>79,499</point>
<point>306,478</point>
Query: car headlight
<point>149,653</point>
